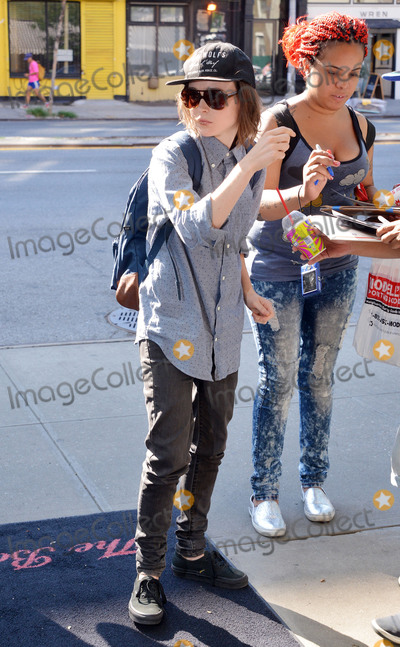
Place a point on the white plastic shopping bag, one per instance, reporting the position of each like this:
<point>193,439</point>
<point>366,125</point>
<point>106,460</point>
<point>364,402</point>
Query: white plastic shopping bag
<point>377,335</point>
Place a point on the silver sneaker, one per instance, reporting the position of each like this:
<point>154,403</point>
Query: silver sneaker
<point>267,519</point>
<point>317,506</point>
<point>388,628</point>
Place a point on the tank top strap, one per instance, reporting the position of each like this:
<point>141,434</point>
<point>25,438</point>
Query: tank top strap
<point>283,117</point>
<point>281,112</point>
<point>356,124</point>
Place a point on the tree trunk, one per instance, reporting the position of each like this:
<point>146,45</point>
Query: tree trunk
<point>55,54</point>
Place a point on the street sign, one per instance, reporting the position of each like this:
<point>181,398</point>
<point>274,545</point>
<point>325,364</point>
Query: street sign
<point>65,55</point>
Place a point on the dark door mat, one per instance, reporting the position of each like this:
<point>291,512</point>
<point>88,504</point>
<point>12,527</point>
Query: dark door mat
<point>67,582</point>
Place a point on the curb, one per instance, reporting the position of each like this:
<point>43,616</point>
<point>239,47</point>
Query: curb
<point>115,142</point>
<point>78,142</point>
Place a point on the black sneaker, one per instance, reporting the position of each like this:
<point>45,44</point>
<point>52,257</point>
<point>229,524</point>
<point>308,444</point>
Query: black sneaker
<point>388,628</point>
<point>147,601</point>
<point>210,569</point>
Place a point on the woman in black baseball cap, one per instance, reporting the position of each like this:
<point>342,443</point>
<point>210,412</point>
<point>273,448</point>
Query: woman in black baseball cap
<point>191,314</point>
<point>221,74</point>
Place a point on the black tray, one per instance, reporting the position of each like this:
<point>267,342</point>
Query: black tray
<point>362,218</point>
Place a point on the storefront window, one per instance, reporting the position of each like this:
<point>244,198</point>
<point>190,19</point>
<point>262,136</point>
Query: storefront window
<point>264,53</point>
<point>266,9</point>
<point>33,27</point>
<point>171,14</point>
<point>142,14</point>
<point>141,51</point>
<point>151,46</point>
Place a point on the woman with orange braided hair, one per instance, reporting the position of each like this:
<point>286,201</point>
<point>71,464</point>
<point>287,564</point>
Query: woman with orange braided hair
<point>330,155</point>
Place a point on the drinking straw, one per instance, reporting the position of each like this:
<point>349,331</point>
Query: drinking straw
<point>284,204</point>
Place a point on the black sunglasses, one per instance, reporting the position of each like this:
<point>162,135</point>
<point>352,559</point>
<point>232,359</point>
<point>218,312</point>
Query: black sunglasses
<point>214,98</point>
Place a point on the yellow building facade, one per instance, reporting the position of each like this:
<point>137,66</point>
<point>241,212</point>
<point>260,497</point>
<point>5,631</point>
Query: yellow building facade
<point>98,33</point>
<point>93,59</point>
<point>128,49</point>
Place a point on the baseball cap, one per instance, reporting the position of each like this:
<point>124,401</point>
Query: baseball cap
<point>217,62</point>
<point>29,55</point>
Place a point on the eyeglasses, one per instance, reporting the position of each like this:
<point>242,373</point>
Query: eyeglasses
<point>214,98</point>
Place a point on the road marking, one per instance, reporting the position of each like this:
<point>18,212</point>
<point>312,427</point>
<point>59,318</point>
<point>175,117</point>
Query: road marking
<point>85,170</point>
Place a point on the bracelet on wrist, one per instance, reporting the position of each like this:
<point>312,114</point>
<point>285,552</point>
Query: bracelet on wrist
<point>298,197</point>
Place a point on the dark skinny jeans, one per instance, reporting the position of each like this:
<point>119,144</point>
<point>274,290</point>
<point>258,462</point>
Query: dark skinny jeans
<point>188,421</point>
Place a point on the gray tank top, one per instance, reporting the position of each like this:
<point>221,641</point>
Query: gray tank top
<point>270,257</point>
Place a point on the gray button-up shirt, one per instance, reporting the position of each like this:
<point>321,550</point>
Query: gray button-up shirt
<point>191,302</point>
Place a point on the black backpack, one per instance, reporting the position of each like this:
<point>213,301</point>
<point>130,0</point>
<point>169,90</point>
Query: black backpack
<point>129,247</point>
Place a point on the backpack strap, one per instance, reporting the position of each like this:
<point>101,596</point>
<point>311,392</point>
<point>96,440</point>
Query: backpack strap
<point>162,237</point>
<point>192,155</point>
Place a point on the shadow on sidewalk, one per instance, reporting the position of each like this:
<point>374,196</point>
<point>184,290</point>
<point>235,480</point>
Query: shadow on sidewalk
<point>314,631</point>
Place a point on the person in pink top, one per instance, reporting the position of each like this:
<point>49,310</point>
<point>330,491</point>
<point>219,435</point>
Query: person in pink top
<point>33,80</point>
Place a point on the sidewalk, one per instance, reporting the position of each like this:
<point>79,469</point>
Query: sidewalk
<point>73,451</point>
<point>76,446</point>
<point>96,109</point>
<point>111,109</point>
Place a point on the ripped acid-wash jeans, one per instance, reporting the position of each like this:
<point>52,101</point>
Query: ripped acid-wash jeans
<point>299,350</point>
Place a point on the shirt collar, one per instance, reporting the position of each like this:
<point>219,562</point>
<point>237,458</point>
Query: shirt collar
<point>216,151</point>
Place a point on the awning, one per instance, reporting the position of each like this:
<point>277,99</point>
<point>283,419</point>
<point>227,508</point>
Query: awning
<point>381,25</point>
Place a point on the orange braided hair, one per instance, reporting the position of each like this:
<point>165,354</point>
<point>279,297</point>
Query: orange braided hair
<point>305,39</point>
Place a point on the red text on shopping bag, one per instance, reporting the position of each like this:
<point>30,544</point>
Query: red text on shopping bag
<point>384,293</point>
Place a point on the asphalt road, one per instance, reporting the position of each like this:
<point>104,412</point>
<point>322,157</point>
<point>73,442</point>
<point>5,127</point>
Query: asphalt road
<point>123,127</point>
<point>386,124</point>
<point>57,285</point>
<point>60,210</point>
